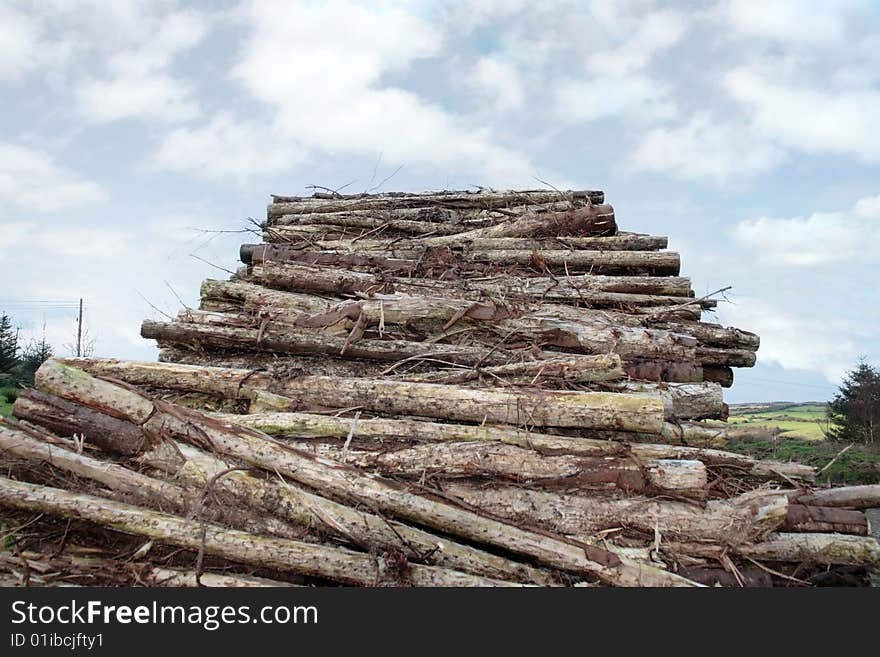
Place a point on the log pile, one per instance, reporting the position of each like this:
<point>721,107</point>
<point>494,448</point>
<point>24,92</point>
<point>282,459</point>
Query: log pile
<point>449,389</point>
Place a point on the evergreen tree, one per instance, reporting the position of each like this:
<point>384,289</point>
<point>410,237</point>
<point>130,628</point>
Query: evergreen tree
<point>35,354</point>
<point>854,413</point>
<point>8,347</point>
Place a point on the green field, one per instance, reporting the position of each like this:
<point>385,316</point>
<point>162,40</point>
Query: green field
<point>791,421</point>
<point>793,432</point>
<point>6,397</point>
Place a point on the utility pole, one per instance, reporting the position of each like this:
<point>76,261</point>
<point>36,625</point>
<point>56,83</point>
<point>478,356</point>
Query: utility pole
<point>79,330</point>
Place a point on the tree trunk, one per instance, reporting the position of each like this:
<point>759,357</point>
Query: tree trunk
<point>804,518</point>
<point>336,564</point>
<point>811,548</point>
<point>310,425</point>
<point>348,483</point>
<point>450,460</point>
<point>741,519</point>
<point>485,200</point>
<point>619,242</point>
<point>638,413</point>
<point>267,498</point>
<point>853,497</point>
<point>145,490</point>
<point>341,282</point>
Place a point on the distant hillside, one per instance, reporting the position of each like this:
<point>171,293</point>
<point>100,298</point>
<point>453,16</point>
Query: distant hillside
<point>803,420</point>
<point>761,407</point>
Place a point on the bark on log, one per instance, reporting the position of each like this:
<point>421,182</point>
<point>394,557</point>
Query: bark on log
<point>741,519</point>
<point>336,564</point>
<point>639,413</point>
<point>663,370</point>
<point>434,316</point>
<point>148,491</point>
<point>423,261</point>
<point>197,470</point>
<point>311,425</point>
<point>481,200</point>
<point>812,548</point>
<point>456,460</point>
<point>619,242</point>
<point>691,401</point>
<point>852,497</point>
<point>68,418</point>
<point>347,483</point>
<point>306,342</point>
<point>366,222</point>
<point>581,369</point>
<point>574,290</point>
<point>719,374</point>
<point>369,531</point>
<point>804,518</point>
<point>54,570</point>
<point>253,298</point>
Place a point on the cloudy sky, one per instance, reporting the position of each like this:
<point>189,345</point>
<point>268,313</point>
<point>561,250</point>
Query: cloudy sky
<point>132,132</point>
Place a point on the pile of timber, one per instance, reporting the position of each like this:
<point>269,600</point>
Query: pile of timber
<point>448,389</point>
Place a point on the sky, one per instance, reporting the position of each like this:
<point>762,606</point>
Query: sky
<point>138,137</point>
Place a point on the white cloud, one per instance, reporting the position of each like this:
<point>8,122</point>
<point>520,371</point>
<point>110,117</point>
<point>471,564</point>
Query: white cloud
<point>821,238</point>
<point>793,340</point>
<point>636,97</point>
<point>868,208</point>
<point>226,149</point>
<point>20,43</point>
<point>499,81</point>
<point>154,95</point>
<point>811,118</point>
<point>27,175</point>
<point>793,22</point>
<point>654,33</point>
<point>92,242</point>
<point>321,69</point>
<point>139,84</point>
<point>705,148</point>
<point>616,81</point>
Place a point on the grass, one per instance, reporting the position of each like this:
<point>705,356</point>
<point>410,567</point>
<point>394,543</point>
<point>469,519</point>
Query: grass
<point>7,396</point>
<point>858,465</point>
<point>795,421</point>
<point>792,432</point>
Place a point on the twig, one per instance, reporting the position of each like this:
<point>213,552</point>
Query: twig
<point>777,573</point>
<point>193,255</point>
<point>839,454</point>
<point>689,303</point>
<point>174,292</point>
<point>162,312</point>
<point>351,431</point>
<point>379,186</point>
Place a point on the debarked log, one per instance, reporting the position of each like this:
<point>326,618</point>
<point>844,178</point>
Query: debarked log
<point>423,260</point>
<point>811,548</point>
<point>157,494</point>
<point>348,483</point>
<point>741,519</point>
<point>451,460</point>
<point>426,309</point>
<point>641,412</point>
<point>483,199</point>
<point>620,242</point>
<point>274,502</point>
<point>807,518</point>
<point>854,497</point>
<point>313,425</point>
<point>336,564</point>
<point>341,282</point>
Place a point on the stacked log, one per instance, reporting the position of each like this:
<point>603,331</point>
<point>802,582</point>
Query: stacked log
<point>448,389</point>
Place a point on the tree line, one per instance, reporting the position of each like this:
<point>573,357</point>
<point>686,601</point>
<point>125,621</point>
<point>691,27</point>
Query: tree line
<point>19,362</point>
